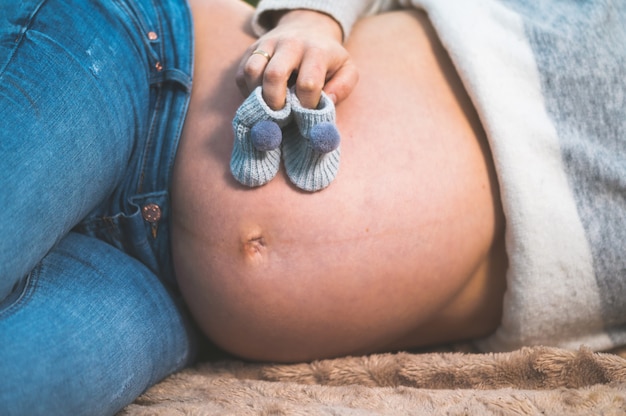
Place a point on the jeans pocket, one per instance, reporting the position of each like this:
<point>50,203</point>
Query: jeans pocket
<point>142,232</point>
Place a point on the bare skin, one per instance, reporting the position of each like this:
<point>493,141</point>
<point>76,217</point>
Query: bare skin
<point>404,249</point>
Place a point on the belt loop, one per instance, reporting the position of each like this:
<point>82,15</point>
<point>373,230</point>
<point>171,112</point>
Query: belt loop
<point>173,75</point>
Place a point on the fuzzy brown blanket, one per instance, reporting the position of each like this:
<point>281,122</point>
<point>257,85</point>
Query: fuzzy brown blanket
<point>530,381</point>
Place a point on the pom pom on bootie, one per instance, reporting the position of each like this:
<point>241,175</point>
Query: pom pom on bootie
<point>324,137</point>
<point>311,149</point>
<point>255,158</point>
<point>266,135</point>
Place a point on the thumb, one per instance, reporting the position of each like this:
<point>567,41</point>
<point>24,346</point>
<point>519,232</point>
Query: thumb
<point>339,87</point>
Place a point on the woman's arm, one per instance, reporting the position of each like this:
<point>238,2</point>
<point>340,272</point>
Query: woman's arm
<point>345,12</point>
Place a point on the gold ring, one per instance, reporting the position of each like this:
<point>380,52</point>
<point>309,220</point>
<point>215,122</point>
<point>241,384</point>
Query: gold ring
<point>262,53</point>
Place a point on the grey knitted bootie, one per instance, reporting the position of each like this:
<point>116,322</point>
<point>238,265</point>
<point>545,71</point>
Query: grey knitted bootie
<point>255,158</point>
<point>311,144</point>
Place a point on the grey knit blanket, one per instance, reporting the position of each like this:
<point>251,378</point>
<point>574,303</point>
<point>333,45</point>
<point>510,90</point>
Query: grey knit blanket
<point>548,79</point>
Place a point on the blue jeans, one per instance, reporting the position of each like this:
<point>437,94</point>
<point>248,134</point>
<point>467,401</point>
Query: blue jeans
<point>93,95</point>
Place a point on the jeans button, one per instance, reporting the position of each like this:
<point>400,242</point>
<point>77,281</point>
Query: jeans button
<point>151,212</point>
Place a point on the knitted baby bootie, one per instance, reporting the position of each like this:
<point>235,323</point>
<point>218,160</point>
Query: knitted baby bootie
<point>311,145</point>
<point>255,158</point>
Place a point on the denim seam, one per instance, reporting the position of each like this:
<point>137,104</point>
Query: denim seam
<point>159,24</point>
<point>30,286</point>
<point>147,148</point>
<point>181,120</point>
<point>141,26</point>
<point>20,37</point>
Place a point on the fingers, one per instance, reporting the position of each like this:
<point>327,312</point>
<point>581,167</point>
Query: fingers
<point>339,87</point>
<point>317,69</point>
<point>251,68</point>
<point>278,71</point>
<point>337,78</point>
<point>272,73</point>
<point>311,78</point>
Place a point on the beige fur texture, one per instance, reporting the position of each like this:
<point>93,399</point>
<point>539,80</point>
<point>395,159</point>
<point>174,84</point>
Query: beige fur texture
<point>530,381</point>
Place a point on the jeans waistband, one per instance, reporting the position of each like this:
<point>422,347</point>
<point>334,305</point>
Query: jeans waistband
<point>136,216</point>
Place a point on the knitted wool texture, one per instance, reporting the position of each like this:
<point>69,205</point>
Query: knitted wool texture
<point>311,145</point>
<point>249,165</point>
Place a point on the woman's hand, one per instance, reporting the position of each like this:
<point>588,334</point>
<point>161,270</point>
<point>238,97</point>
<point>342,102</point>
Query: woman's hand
<point>305,45</point>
